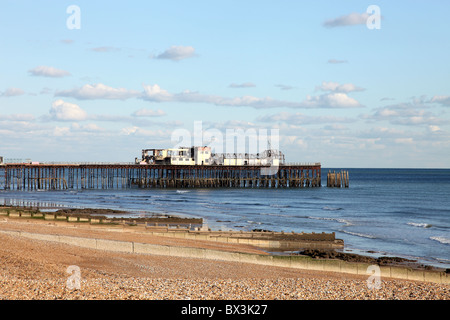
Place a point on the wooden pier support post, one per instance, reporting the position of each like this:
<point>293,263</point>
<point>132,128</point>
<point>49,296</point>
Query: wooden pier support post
<point>337,179</point>
<point>105,176</point>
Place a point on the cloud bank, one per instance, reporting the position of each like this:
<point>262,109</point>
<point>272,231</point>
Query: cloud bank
<point>155,93</point>
<point>336,61</point>
<point>351,19</point>
<point>336,87</point>
<point>46,71</point>
<point>336,97</point>
<point>98,91</point>
<point>242,85</point>
<point>12,92</point>
<point>176,53</point>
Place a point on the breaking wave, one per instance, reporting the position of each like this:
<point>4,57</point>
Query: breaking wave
<point>359,234</point>
<point>346,222</point>
<point>420,224</point>
<point>276,214</point>
<point>331,208</point>
<point>441,239</point>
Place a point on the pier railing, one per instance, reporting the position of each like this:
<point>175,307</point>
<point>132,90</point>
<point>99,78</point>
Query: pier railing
<point>62,163</point>
<point>301,164</point>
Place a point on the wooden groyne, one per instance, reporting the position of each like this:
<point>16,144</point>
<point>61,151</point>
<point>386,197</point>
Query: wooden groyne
<point>337,179</point>
<point>187,228</point>
<point>29,176</point>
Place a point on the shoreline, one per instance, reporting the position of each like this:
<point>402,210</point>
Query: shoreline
<point>433,258</point>
<point>37,269</point>
<point>173,220</point>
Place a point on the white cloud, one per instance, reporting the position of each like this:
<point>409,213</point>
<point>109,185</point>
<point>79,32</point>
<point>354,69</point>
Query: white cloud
<point>149,113</point>
<point>284,87</point>
<point>302,119</point>
<point>347,20</point>
<point>89,127</point>
<point>45,90</point>
<point>176,53</point>
<point>154,93</point>
<point>46,71</point>
<point>406,114</point>
<point>255,102</point>
<point>142,132</point>
<point>242,85</point>
<point>129,130</point>
<point>336,87</point>
<point>98,91</point>
<point>336,61</point>
<point>335,127</point>
<point>78,133</point>
<point>408,141</point>
<point>105,49</point>
<point>444,100</point>
<point>17,117</point>
<point>61,131</point>
<point>385,133</point>
<point>331,100</point>
<point>434,128</point>
<point>66,111</point>
<point>12,92</point>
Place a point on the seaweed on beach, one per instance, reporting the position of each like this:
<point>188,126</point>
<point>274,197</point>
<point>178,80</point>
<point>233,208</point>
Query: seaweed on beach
<point>102,213</point>
<point>351,257</point>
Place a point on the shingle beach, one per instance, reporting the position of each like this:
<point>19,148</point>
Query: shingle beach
<point>32,269</point>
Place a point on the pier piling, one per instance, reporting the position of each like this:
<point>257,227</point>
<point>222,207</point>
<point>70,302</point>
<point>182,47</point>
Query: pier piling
<point>28,176</point>
<point>337,179</point>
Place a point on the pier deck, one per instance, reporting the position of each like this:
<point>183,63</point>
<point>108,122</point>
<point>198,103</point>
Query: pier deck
<point>29,176</point>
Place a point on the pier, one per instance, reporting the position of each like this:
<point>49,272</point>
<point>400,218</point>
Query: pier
<point>42,176</point>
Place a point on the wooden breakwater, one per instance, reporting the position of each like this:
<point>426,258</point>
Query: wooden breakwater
<point>337,179</point>
<point>188,228</point>
<point>29,176</point>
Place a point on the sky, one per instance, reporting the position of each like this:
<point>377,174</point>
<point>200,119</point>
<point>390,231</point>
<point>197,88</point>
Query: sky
<point>344,83</point>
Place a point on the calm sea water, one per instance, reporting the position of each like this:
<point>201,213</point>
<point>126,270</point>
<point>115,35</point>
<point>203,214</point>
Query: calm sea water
<point>395,212</point>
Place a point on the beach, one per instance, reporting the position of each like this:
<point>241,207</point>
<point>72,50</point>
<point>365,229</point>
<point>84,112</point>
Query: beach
<point>37,269</point>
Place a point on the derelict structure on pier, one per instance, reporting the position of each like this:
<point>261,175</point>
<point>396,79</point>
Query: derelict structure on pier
<point>203,156</point>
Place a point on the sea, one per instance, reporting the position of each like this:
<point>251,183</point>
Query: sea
<point>384,212</point>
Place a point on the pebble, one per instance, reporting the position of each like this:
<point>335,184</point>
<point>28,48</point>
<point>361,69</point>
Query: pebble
<point>130,288</point>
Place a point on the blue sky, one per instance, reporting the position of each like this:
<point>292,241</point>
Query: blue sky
<point>135,72</point>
